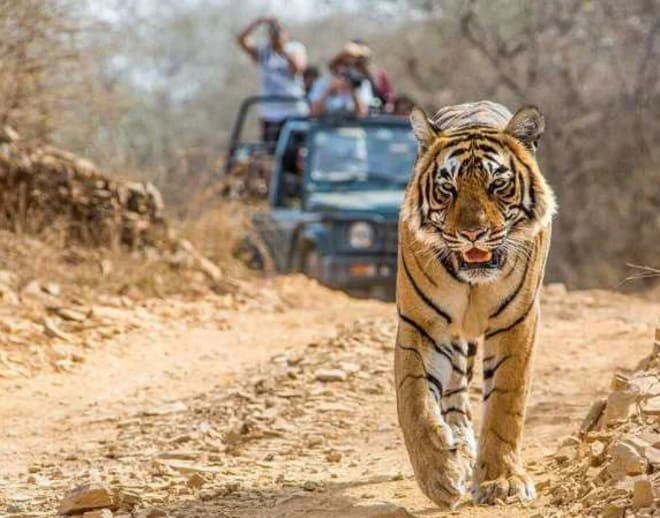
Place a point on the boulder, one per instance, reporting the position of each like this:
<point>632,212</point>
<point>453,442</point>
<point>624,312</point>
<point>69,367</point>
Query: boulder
<point>87,497</point>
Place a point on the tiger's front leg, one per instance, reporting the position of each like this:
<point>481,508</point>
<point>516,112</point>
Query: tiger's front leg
<point>499,472</point>
<point>432,401</point>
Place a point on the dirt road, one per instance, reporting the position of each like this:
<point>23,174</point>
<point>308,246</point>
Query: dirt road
<point>280,407</point>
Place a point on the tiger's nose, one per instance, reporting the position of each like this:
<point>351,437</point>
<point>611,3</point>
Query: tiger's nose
<point>474,233</point>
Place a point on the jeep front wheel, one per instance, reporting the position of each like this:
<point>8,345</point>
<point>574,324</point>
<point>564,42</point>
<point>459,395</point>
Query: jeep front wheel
<point>311,264</point>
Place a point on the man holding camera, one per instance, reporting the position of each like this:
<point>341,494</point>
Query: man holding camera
<point>281,64</point>
<point>348,90</point>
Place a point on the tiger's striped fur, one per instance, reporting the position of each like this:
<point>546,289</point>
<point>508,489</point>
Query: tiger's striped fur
<point>477,192</point>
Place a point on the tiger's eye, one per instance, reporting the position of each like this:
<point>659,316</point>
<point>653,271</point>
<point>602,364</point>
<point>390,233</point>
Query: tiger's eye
<point>446,187</point>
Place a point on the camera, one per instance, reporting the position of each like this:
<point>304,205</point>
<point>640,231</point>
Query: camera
<point>353,77</point>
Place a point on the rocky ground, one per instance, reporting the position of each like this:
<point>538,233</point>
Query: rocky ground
<point>276,400</point>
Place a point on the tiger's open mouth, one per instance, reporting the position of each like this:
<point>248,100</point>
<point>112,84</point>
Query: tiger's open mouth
<point>475,258</point>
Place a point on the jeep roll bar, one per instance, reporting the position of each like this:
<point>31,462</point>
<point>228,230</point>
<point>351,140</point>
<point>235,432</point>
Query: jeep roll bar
<point>239,123</point>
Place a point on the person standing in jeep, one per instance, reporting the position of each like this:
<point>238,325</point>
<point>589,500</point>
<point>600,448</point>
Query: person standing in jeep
<point>281,63</point>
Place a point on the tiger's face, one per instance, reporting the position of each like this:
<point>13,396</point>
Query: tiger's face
<point>477,196</point>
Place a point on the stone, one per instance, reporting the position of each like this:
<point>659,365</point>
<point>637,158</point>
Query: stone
<point>652,455</point>
<point>597,453</point>
<point>8,295</point>
<point>186,468</point>
<point>626,460</point>
<point>329,375</point>
<point>636,442</point>
<point>621,404</point>
<point>99,513</point>
<point>593,416</point>
<point>52,288</point>
<point>87,497</point>
<point>652,407</point>
<point>154,512</point>
<point>565,454</point>
<point>381,510</point>
<point>613,510</point>
<point>167,408</point>
<point>652,438</point>
<point>642,494</point>
<point>196,481</point>
<point>570,441</point>
<point>333,456</point>
<point>52,330</point>
<point>72,315</point>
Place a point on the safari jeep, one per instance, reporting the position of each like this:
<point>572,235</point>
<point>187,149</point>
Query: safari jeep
<point>334,198</point>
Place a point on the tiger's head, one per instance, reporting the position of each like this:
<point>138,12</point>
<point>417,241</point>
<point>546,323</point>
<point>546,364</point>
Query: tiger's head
<point>477,197</point>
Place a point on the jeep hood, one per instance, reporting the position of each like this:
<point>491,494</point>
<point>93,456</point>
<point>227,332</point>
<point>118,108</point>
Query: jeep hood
<point>377,201</point>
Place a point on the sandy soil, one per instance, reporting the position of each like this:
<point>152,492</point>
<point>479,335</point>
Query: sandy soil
<point>235,395</point>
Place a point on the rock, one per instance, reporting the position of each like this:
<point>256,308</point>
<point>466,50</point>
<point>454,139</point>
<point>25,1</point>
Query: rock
<point>312,485</point>
<point>8,296</point>
<point>155,512</point>
<point>636,442</point>
<point>593,416</point>
<point>381,510</point>
<point>71,314</point>
<point>565,454</point>
<point>652,407</point>
<point>329,375</point>
<point>333,456</point>
<point>597,453</point>
<point>87,497</point>
<point>52,289</point>
<point>195,481</point>
<point>570,441</point>
<point>314,441</point>
<point>642,494</point>
<point>651,438</point>
<point>100,513</point>
<point>613,510</point>
<point>620,405</point>
<point>648,385</point>
<point>187,468</point>
<point>652,456</point>
<point>167,408</point>
<point>626,460</point>
<point>52,330</point>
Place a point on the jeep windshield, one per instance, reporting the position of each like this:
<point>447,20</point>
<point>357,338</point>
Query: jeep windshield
<point>361,157</point>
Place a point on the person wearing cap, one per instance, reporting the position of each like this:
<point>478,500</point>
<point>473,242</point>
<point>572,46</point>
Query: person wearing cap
<point>381,82</point>
<point>347,90</point>
<point>281,63</point>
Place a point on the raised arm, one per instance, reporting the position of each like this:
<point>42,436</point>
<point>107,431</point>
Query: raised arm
<point>246,42</point>
<point>361,107</point>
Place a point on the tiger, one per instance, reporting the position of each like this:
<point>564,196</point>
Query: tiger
<point>474,234</point>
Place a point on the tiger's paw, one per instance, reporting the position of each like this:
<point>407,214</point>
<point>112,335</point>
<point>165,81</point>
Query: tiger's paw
<point>442,467</point>
<point>520,487</point>
<point>446,483</point>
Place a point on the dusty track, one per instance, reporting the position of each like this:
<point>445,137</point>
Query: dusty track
<point>234,394</point>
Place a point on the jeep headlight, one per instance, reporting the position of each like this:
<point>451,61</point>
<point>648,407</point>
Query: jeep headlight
<point>361,235</point>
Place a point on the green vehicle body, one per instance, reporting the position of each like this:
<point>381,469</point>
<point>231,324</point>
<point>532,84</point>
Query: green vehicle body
<point>322,185</point>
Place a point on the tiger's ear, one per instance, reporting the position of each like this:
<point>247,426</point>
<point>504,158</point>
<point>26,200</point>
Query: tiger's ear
<point>423,128</point>
<point>527,125</point>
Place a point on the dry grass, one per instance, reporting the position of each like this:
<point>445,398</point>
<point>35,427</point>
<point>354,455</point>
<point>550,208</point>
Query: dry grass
<point>216,230</point>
